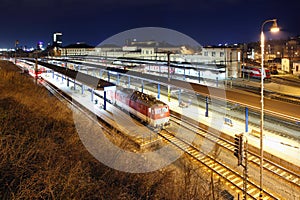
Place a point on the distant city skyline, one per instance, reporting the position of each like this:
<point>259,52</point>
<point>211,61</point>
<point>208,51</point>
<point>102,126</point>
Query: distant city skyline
<point>91,21</point>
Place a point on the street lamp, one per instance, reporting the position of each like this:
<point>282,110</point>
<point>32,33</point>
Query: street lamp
<point>274,28</point>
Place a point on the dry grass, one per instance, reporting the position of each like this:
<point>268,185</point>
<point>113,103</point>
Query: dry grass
<point>41,156</point>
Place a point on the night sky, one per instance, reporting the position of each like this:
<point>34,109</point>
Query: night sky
<point>209,22</point>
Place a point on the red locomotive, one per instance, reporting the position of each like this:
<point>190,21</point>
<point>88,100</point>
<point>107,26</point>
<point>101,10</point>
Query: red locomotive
<point>143,106</point>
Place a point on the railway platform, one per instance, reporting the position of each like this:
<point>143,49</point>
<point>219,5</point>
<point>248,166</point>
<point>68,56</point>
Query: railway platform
<point>284,148</point>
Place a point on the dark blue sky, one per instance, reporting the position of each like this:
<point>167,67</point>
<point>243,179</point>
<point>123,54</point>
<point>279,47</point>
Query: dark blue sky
<point>209,22</point>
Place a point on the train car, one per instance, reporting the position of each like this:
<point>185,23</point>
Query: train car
<point>255,72</point>
<point>205,71</point>
<point>38,73</point>
<point>30,68</point>
<point>143,106</point>
<point>159,69</point>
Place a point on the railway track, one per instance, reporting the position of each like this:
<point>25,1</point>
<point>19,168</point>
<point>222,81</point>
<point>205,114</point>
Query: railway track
<point>272,94</point>
<point>269,166</point>
<point>286,80</point>
<point>220,169</point>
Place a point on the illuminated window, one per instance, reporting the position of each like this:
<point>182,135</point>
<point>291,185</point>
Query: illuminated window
<point>157,111</point>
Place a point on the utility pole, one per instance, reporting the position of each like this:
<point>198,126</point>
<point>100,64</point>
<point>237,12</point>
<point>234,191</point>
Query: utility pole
<point>169,92</point>
<point>16,45</point>
<point>243,61</point>
<point>36,68</point>
<point>168,54</point>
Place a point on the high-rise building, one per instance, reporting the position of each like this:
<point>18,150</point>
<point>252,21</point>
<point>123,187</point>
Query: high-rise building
<point>39,45</point>
<point>57,39</point>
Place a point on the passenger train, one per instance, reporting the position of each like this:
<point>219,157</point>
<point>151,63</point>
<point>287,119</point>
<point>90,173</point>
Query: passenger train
<point>255,72</point>
<point>142,106</point>
<point>29,67</point>
<point>195,73</point>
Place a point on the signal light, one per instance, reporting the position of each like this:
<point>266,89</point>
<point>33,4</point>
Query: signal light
<point>239,148</point>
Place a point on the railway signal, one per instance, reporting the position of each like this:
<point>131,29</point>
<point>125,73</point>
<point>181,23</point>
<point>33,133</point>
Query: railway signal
<point>239,148</point>
<point>240,151</point>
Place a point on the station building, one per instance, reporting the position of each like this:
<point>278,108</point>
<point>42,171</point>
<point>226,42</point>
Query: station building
<point>78,49</point>
<point>229,56</point>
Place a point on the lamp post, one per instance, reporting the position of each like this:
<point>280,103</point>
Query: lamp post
<point>274,28</point>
